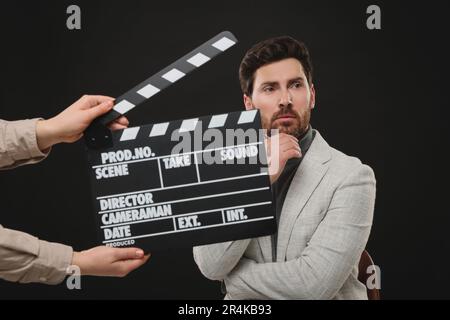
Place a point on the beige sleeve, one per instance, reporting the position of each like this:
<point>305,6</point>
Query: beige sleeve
<point>18,144</point>
<point>24,258</point>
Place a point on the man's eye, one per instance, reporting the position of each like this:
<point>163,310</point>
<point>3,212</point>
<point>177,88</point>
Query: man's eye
<point>296,84</point>
<point>268,89</point>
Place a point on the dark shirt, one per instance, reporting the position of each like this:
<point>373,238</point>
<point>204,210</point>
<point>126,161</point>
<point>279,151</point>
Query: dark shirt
<point>281,186</point>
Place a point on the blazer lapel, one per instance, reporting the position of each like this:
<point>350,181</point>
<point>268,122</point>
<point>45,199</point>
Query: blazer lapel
<point>266,248</point>
<point>307,178</point>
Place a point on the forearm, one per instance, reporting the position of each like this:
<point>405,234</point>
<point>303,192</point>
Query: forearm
<point>293,280</point>
<point>217,260</point>
<point>25,259</point>
<point>18,144</point>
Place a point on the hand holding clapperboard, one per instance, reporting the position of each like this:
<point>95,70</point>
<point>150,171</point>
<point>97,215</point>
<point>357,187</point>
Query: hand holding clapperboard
<point>151,191</point>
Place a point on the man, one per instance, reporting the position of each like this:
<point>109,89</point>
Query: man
<point>24,258</point>
<point>324,199</point>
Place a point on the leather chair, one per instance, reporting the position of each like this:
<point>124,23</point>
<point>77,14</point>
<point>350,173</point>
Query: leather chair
<point>365,262</point>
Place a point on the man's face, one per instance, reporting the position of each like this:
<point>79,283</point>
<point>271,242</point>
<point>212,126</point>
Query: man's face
<point>282,93</point>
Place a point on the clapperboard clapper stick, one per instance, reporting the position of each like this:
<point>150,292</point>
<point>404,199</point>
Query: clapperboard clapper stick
<point>98,135</point>
<point>152,191</point>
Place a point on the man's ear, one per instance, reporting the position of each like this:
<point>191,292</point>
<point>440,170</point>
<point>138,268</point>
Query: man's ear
<point>248,103</point>
<point>312,103</point>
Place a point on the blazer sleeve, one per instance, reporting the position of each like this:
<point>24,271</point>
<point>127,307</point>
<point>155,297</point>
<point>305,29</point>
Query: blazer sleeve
<point>215,261</point>
<point>327,261</point>
<point>18,144</point>
<point>25,259</point>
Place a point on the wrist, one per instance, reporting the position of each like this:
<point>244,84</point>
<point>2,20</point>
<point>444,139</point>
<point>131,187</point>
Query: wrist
<point>45,135</point>
<point>77,261</point>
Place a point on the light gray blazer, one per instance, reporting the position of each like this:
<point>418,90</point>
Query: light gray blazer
<point>324,227</point>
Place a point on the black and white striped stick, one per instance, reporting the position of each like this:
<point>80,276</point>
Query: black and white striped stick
<point>158,82</point>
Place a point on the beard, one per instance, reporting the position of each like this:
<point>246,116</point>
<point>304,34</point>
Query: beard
<point>296,126</point>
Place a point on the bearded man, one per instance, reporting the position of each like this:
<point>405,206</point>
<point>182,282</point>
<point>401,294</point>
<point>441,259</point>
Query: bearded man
<point>324,199</point>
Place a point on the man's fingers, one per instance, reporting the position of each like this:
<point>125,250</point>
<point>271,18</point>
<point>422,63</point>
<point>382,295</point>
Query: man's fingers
<point>287,139</point>
<point>288,142</point>
<point>284,140</point>
<point>287,136</point>
<point>291,147</point>
<point>128,253</point>
<point>292,153</point>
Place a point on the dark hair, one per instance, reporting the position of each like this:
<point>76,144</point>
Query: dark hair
<point>272,50</point>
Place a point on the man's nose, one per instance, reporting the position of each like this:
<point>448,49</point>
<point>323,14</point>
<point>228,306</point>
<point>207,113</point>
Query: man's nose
<point>285,99</point>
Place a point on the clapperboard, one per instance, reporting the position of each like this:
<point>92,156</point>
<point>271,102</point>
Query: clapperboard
<point>181,183</point>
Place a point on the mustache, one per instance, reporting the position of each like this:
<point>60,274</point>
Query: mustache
<point>284,113</point>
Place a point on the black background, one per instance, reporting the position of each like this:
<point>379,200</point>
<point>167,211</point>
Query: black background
<point>381,96</point>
